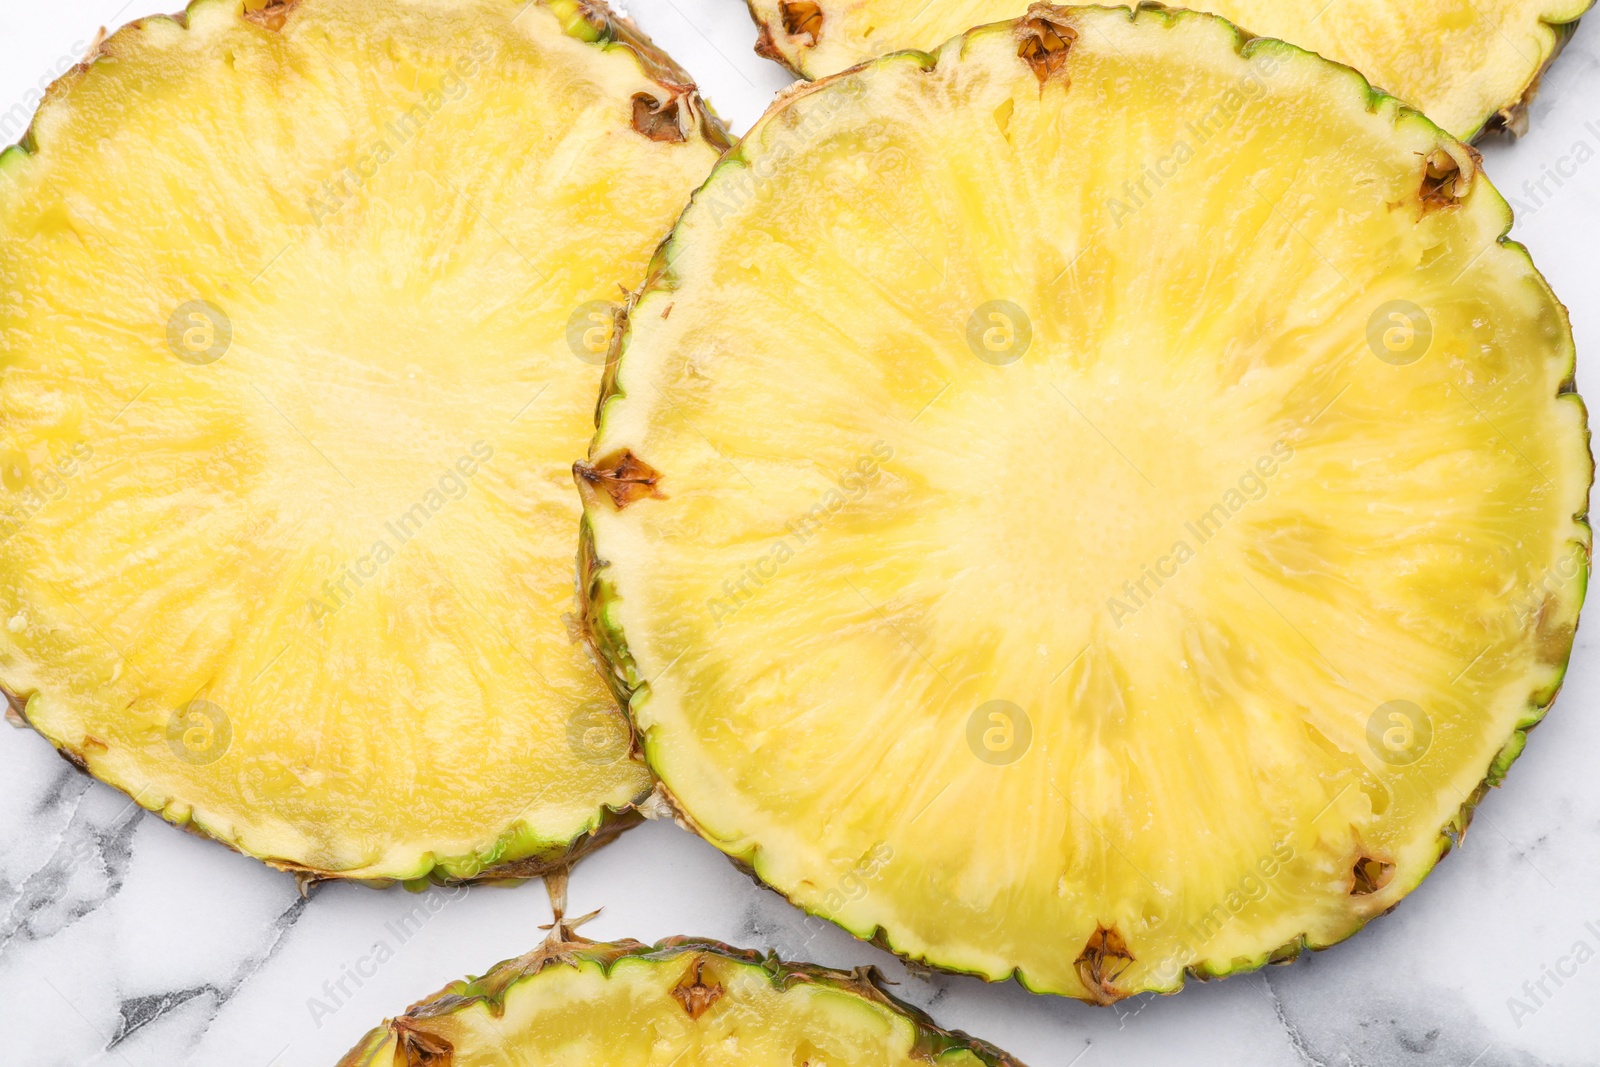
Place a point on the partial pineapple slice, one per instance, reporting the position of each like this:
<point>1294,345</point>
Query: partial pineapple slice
<point>1468,64</point>
<point>1060,542</point>
<point>305,308</point>
<point>682,1003</point>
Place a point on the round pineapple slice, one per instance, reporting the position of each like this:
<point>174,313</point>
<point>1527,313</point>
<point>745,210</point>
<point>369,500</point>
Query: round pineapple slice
<point>305,310</point>
<point>685,1002</point>
<point>1470,65</point>
<point>1061,542</point>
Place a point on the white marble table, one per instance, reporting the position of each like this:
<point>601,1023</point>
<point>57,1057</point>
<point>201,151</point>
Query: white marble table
<point>126,942</point>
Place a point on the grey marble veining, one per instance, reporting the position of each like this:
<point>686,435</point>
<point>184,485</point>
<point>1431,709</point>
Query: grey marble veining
<point>126,942</point>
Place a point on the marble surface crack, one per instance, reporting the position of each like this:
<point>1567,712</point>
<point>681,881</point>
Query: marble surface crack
<point>135,1013</point>
<point>1297,1040</point>
<point>247,969</point>
<point>44,901</point>
<point>70,784</point>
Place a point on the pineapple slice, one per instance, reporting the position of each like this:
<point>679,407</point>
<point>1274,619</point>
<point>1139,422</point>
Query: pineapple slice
<point>1468,64</point>
<point>684,1003</point>
<point>1060,541</point>
<point>305,310</point>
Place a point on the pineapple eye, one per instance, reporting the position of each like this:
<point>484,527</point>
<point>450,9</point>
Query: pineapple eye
<point>1043,44</point>
<point>1369,875</point>
<point>269,14</point>
<point>801,17</point>
<point>657,120</point>
<point>625,478</point>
